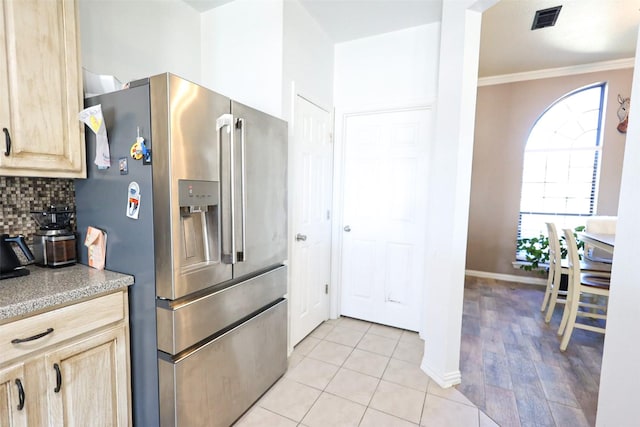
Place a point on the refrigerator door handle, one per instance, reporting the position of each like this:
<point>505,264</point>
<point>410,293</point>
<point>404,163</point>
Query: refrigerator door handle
<point>242,253</point>
<point>229,254</point>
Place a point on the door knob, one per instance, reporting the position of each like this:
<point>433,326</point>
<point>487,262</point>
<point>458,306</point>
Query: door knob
<point>347,228</point>
<point>301,237</point>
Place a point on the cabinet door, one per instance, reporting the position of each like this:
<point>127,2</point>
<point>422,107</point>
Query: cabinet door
<point>41,89</point>
<point>12,413</point>
<point>87,382</point>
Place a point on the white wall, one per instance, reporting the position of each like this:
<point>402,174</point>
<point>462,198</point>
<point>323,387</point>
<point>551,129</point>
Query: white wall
<point>242,52</point>
<point>393,70</point>
<point>308,59</point>
<point>137,38</point>
<point>389,70</point>
<point>620,373</point>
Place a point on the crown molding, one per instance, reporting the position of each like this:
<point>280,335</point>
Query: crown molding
<point>617,64</point>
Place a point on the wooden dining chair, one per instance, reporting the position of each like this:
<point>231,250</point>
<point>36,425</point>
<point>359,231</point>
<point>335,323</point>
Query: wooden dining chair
<point>555,272</point>
<point>558,267</point>
<point>581,284</point>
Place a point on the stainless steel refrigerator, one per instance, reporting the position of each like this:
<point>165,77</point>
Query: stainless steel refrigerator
<point>200,221</point>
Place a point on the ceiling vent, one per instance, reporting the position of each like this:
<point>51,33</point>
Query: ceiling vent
<point>546,17</point>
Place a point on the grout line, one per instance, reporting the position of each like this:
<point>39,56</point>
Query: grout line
<point>269,410</point>
<point>378,379</point>
<point>568,374</point>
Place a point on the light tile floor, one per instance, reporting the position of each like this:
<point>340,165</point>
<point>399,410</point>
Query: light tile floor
<point>348,372</point>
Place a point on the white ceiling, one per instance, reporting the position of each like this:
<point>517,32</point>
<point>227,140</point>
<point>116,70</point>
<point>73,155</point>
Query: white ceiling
<point>587,31</point>
<point>345,20</point>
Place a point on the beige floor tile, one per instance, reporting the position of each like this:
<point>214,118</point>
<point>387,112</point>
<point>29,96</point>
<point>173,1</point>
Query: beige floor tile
<point>406,374</point>
<point>312,372</point>
<point>373,418</point>
<point>409,351</point>
<point>353,385</point>
<point>450,393</point>
<point>334,411</point>
<point>442,412</point>
<point>331,322</point>
<point>260,417</point>
<point>385,331</point>
<point>293,360</point>
<point>329,384</point>
<point>331,352</point>
<point>411,337</point>
<point>485,421</point>
<point>366,362</point>
<point>290,399</point>
<point>377,344</point>
<point>397,400</point>
<point>321,331</point>
<point>344,336</point>
<point>305,346</point>
<point>359,325</point>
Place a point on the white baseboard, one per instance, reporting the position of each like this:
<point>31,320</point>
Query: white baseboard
<point>507,277</point>
<point>445,381</point>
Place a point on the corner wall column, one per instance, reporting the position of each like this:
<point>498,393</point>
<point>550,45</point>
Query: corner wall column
<point>449,188</point>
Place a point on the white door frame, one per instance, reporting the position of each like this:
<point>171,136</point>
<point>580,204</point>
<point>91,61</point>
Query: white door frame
<point>338,192</point>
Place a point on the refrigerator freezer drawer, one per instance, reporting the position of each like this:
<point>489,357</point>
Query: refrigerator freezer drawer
<point>184,324</point>
<point>217,383</point>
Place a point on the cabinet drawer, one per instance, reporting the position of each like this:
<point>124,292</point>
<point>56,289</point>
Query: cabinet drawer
<point>66,322</point>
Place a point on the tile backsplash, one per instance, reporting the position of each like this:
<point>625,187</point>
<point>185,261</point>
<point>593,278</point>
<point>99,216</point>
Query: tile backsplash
<point>21,195</point>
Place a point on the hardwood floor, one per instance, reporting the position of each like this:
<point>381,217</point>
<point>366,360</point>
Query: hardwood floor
<point>511,363</point>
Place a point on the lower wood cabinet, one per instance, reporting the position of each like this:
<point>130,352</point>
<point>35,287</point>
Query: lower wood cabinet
<point>87,382</point>
<point>81,381</point>
<point>12,398</point>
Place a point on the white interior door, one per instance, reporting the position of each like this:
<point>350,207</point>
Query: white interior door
<point>384,219</point>
<point>312,172</point>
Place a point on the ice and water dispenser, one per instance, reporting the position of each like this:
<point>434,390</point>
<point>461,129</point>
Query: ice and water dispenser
<point>199,222</point>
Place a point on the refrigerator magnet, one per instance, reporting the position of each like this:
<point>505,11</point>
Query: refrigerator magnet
<point>136,150</point>
<point>123,165</point>
<point>133,200</point>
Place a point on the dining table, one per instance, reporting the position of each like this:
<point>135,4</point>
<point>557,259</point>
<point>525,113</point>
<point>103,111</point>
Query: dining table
<point>602,241</point>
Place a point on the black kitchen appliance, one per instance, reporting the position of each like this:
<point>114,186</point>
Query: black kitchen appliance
<point>54,244</point>
<point>10,265</point>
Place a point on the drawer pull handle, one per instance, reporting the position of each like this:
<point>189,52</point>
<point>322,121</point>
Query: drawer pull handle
<point>33,338</point>
<point>7,141</point>
<point>58,378</point>
<point>20,394</point>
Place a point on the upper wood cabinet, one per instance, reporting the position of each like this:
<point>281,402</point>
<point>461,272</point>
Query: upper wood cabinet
<point>40,89</point>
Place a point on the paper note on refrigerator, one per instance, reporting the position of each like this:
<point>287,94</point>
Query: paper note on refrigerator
<point>92,117</point>
<point>96,243</point>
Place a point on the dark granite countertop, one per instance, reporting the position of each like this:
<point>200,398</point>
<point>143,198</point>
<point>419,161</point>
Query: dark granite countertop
<point>47,288</point>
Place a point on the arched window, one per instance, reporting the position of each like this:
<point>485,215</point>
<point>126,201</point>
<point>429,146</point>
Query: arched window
<point>561,163</point>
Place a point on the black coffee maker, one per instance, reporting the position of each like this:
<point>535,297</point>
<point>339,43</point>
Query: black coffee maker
<point>54,244</point>
<point>10,265</point>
